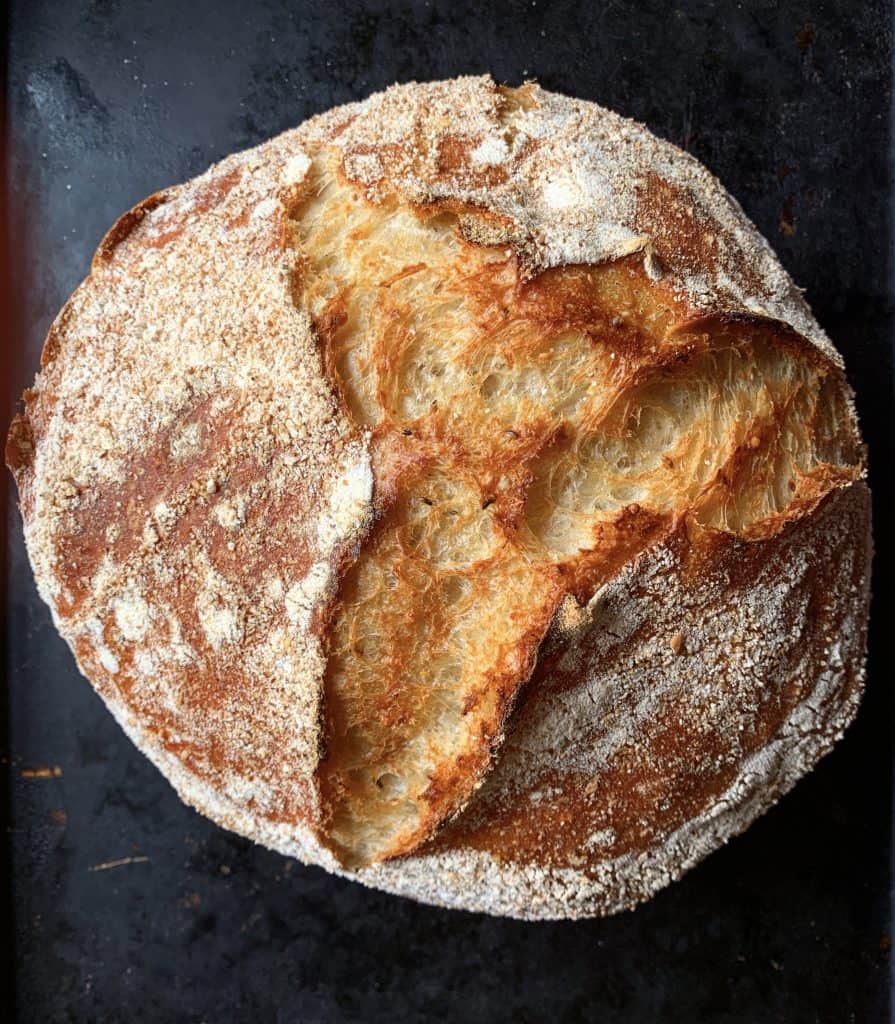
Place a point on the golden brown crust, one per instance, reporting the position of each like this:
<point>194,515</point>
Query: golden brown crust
<point>197,475</point>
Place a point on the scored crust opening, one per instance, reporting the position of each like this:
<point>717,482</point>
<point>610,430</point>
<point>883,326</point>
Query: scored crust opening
<point>528,438</point>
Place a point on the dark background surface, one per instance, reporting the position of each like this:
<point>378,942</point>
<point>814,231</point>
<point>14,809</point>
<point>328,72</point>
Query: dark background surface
<point>108,101</point>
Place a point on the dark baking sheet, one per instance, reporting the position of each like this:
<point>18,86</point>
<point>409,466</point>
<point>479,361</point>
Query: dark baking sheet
<point>130,907</point>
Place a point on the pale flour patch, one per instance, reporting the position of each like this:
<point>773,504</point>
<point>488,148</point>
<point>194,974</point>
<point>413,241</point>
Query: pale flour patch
<point>303,595</point>
<point>296,169</point>
<point>492,150</point>
<point>186,441</point>
<point>132,614</point>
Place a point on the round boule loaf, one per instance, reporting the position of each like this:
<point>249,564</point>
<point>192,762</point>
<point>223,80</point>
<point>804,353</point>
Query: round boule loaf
<point>456,492</point>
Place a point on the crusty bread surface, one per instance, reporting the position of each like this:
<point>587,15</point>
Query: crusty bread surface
<point>455,492</point>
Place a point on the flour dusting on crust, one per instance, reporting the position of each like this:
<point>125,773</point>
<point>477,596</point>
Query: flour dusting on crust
<point>192,491</point>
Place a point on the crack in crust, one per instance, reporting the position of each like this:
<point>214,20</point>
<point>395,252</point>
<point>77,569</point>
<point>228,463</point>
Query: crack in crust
<point>530,437</point>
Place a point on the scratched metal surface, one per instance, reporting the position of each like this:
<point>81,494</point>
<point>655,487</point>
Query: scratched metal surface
<point>130,907</point>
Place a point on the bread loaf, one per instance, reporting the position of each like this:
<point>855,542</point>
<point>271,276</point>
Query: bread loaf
<point>455,492</point>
